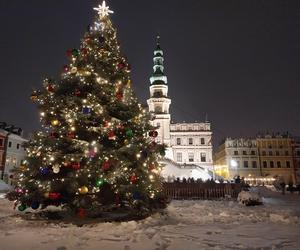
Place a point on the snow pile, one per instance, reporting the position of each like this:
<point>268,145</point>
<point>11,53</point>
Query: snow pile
<point>249,198</point>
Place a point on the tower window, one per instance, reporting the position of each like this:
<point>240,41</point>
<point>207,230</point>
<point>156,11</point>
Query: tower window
<point>158,109</point>
<point>178,141</point>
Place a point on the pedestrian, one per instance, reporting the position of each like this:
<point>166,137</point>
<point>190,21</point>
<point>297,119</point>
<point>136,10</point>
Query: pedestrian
<point>282,185</point>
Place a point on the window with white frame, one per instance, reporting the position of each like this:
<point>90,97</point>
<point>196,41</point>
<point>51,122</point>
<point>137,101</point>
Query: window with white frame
<point>202,141</point>
<point>203,157</point>
<point>179,157</point>
<point>191,157</point>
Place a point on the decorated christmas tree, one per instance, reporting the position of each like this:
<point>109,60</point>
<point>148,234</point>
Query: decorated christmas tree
<point>96,151</point>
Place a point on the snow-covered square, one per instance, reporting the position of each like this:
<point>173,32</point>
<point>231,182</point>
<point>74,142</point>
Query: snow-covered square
<point>185,225</point>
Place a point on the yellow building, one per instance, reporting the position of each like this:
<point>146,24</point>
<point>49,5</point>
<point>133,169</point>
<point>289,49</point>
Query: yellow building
<point>259,160</point>
<point>276,156</point>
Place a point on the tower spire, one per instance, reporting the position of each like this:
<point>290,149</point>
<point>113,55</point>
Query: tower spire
<point>158,77</point>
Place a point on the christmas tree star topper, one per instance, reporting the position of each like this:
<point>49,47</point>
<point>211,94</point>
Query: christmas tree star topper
<point>103,10</point>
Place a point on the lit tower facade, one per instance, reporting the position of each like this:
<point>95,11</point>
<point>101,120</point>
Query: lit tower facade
<point>159,102</point>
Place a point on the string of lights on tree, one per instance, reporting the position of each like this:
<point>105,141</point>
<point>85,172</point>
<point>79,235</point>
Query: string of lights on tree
<point>97,149</point>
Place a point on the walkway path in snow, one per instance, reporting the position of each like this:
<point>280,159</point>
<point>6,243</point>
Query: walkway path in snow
<point>186,225</point>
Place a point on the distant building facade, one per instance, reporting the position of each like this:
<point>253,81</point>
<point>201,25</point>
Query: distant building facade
<point>296,156</point>
<point>13,152</point>
<point>265,157</point>
<point>237,157</point>
<point>276,156</point>
<point>189,144</point>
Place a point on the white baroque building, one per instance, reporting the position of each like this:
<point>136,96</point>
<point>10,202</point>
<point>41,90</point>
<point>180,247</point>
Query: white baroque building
<point>189,144</point>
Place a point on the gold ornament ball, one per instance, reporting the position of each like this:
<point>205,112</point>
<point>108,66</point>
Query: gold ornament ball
<point>55,122</point>
<point>73,70</point>
<point>83,190</point>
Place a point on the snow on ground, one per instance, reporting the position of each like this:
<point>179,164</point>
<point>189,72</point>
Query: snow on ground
<point>186,225</point>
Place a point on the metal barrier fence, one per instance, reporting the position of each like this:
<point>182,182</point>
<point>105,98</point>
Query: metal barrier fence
<point>201,191</point>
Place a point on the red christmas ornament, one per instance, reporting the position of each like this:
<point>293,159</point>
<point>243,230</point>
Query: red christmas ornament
<point>121,127</point>
<point>76,165</point>
<point>106,165</point>
<point>81,212</point>
<point>71,135</point>
<point>121,66</point>
<point>111,135</point>
<point>69,53</point>
<point>92,153</point>
<point>151,167</point>
<point>77,92</point>
<point>133,179</point>
<point>105,124</point>
<point>50,88</point>
<point>119,96</point>
<point>83,51</point>
<point>54,196</point>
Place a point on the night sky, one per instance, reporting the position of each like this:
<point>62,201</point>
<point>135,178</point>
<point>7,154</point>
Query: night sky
<point>236,61</point>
